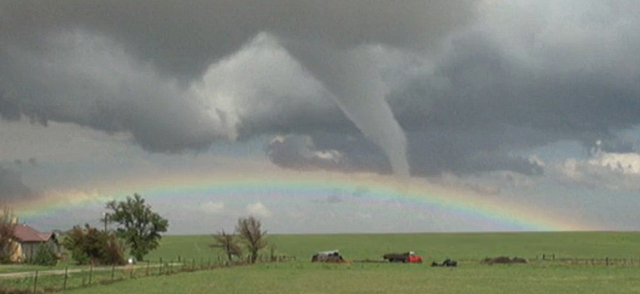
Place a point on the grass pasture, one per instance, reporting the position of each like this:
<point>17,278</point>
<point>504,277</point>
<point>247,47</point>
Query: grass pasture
<point>432,246</point>
<point>285,278</point>
<point>562,275</point>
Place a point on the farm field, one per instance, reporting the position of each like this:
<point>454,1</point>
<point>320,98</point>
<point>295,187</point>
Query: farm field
<point>432,246</point>
<point>387,278</point>
<point>301,276</point>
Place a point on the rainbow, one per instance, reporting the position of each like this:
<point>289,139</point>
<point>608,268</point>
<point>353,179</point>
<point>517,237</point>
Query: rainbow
<point>460,202</point>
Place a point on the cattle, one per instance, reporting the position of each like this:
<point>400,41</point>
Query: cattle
<point>446,263</point>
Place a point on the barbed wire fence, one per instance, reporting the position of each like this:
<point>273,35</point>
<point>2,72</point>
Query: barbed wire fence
<point>75,277</point>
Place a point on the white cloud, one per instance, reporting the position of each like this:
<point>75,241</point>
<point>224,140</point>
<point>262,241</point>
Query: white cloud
<point>258,209</point>
<point>613,171</point>
<point>212,207</point>
<point>625,163</point>
<point>534,159</point>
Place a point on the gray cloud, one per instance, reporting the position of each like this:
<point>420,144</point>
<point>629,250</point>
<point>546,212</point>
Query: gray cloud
<point>328,151</point>
<point>179,42</point>
<point>185,37</point>
<point>430,154</point>
<point>12,189</point>
<point>472,84</point>
<point>91,81</point>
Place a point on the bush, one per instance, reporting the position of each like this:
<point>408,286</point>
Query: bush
<point>113,251</point>
<point>45,255</point>
<point>80,256</point>
<point>90,245</point>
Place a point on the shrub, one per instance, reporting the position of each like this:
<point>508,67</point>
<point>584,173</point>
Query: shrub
<point>90,245</point>
<point>113,251</point>
<point>45,255</point>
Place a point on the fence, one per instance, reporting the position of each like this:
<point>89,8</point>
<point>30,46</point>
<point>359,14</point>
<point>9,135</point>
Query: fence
<point>75,277</point>
<point>600,261</point>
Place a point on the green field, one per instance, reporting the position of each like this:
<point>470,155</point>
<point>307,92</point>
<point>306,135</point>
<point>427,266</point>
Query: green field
<point>387,278</point>
<point>459,246</point>
<point>571,271</point>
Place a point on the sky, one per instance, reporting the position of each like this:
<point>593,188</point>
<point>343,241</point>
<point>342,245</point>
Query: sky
<point>324,116</point>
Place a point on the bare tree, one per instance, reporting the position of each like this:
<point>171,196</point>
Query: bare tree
<point>251,235</point>
<point>7,235</point>
<point>228,243</point>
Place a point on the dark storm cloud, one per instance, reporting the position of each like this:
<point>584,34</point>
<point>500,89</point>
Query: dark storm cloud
<point>496,79</point>
<point>488,96</point>
<point>138,57</point>
<point>184,37</point>
<point>12,189</point>
<point>566,72</point>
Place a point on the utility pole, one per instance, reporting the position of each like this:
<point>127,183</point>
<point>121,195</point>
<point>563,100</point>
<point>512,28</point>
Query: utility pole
<point>106,219</point>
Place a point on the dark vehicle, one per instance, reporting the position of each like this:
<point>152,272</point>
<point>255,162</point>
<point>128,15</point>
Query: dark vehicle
<point>327,256</point>
<point>407,257</point>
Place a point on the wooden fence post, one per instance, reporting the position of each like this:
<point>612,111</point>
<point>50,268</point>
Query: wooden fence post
<point>113,271</point>
<point>606,261</point>
<point>35,282</point>
<point>90,273</point>
<point>160,267</point>
<point>64,284</point>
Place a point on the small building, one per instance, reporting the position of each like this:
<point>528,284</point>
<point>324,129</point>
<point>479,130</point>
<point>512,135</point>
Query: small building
<point>27,240</point>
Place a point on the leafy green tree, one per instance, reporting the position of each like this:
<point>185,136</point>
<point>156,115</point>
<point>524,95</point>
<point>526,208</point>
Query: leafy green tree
<point>228,243</point>
<point>90,245</point>
<point>251,234</point>
<point>139,227</point>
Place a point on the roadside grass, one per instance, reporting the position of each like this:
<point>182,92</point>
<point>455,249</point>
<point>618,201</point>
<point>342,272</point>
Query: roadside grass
<point>17,268</point>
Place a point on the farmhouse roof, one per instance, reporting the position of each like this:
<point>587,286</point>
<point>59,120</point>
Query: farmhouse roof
<point>26,233</point>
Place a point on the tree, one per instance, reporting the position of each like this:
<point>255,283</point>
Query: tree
<point>252,236</point>
<point>140,227</point>
<point>7,235</point>
<point>228,244</point>
<point>90,245</point>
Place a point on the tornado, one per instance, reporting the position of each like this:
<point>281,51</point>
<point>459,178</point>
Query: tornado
<point>353,78</point>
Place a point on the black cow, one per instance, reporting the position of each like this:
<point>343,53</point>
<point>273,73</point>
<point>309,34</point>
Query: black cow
<point>447,262</point>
